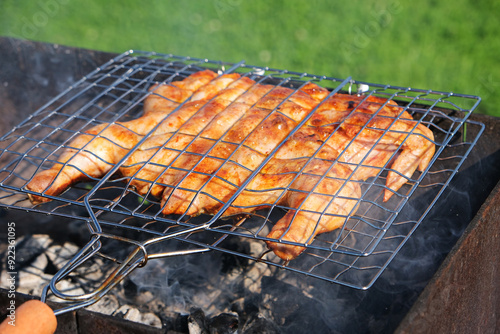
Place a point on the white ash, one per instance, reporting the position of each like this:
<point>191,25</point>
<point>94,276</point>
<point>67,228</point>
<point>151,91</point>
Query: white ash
<point>129,313</point>
<point>108,304</point>
<point>60,254</point>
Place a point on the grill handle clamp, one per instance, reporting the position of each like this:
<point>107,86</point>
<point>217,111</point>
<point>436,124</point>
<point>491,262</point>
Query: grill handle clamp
<point>137,257</point>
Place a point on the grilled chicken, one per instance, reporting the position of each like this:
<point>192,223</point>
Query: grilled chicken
<point>198,155</point>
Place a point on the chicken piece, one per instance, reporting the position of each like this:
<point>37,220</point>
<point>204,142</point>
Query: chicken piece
<point>316,206</point>
<point>376,131</point>
<point>148,163</point>
<point>89,155</point>
<point>93,153</point>
<point>188,114</point>
<point>165,97</point>
<point>367,135</point>
<point>285,180</point>
<point>303,153</point>
<point>146,166</point>
<point>199,192</point>
<point>213,88</point>
<point>274,116</point>
<point>150,159</point>
<point>316,92</point>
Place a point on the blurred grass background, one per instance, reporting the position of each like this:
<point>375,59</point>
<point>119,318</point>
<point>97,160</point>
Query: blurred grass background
<point>448,45</point>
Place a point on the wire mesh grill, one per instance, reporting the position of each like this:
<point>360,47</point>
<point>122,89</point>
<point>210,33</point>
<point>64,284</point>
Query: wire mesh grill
<point>354,254</point>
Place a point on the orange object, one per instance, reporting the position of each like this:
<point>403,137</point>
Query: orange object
<point>33,317</point>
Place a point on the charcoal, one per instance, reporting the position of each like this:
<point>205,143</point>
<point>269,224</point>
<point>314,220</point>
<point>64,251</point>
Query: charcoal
<point>130,289</point>
<point>229,261</point>
<point>151,319</point>
<point>258,324</point>
<point>293,309</point>
<point>238,306</point>
<point>252,277</point>
<point>128,312</point>
<point>197,322</point>
<point>30,265</point>
<point>224,323</point>
<point>51,268</point>
<point>174,322</point>
<point>29,277</point>
<point>29,248</point>
<point>247,306</point>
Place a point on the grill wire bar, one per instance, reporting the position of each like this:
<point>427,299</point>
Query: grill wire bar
<point>354,255</point>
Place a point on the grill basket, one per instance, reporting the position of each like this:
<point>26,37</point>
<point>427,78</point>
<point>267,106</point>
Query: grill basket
<point>354,255</point>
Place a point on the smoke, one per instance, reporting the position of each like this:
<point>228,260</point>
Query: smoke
<point>190,281</point>
<point>216,282</point>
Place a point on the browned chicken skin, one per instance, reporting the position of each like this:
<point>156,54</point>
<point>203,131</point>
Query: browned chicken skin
<point>201,154</point>
<point>92,154</point>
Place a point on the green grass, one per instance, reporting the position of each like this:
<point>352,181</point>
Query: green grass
<point>440,45</point>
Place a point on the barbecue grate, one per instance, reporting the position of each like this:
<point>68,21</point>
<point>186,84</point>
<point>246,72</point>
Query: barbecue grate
<point>354,255</point>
